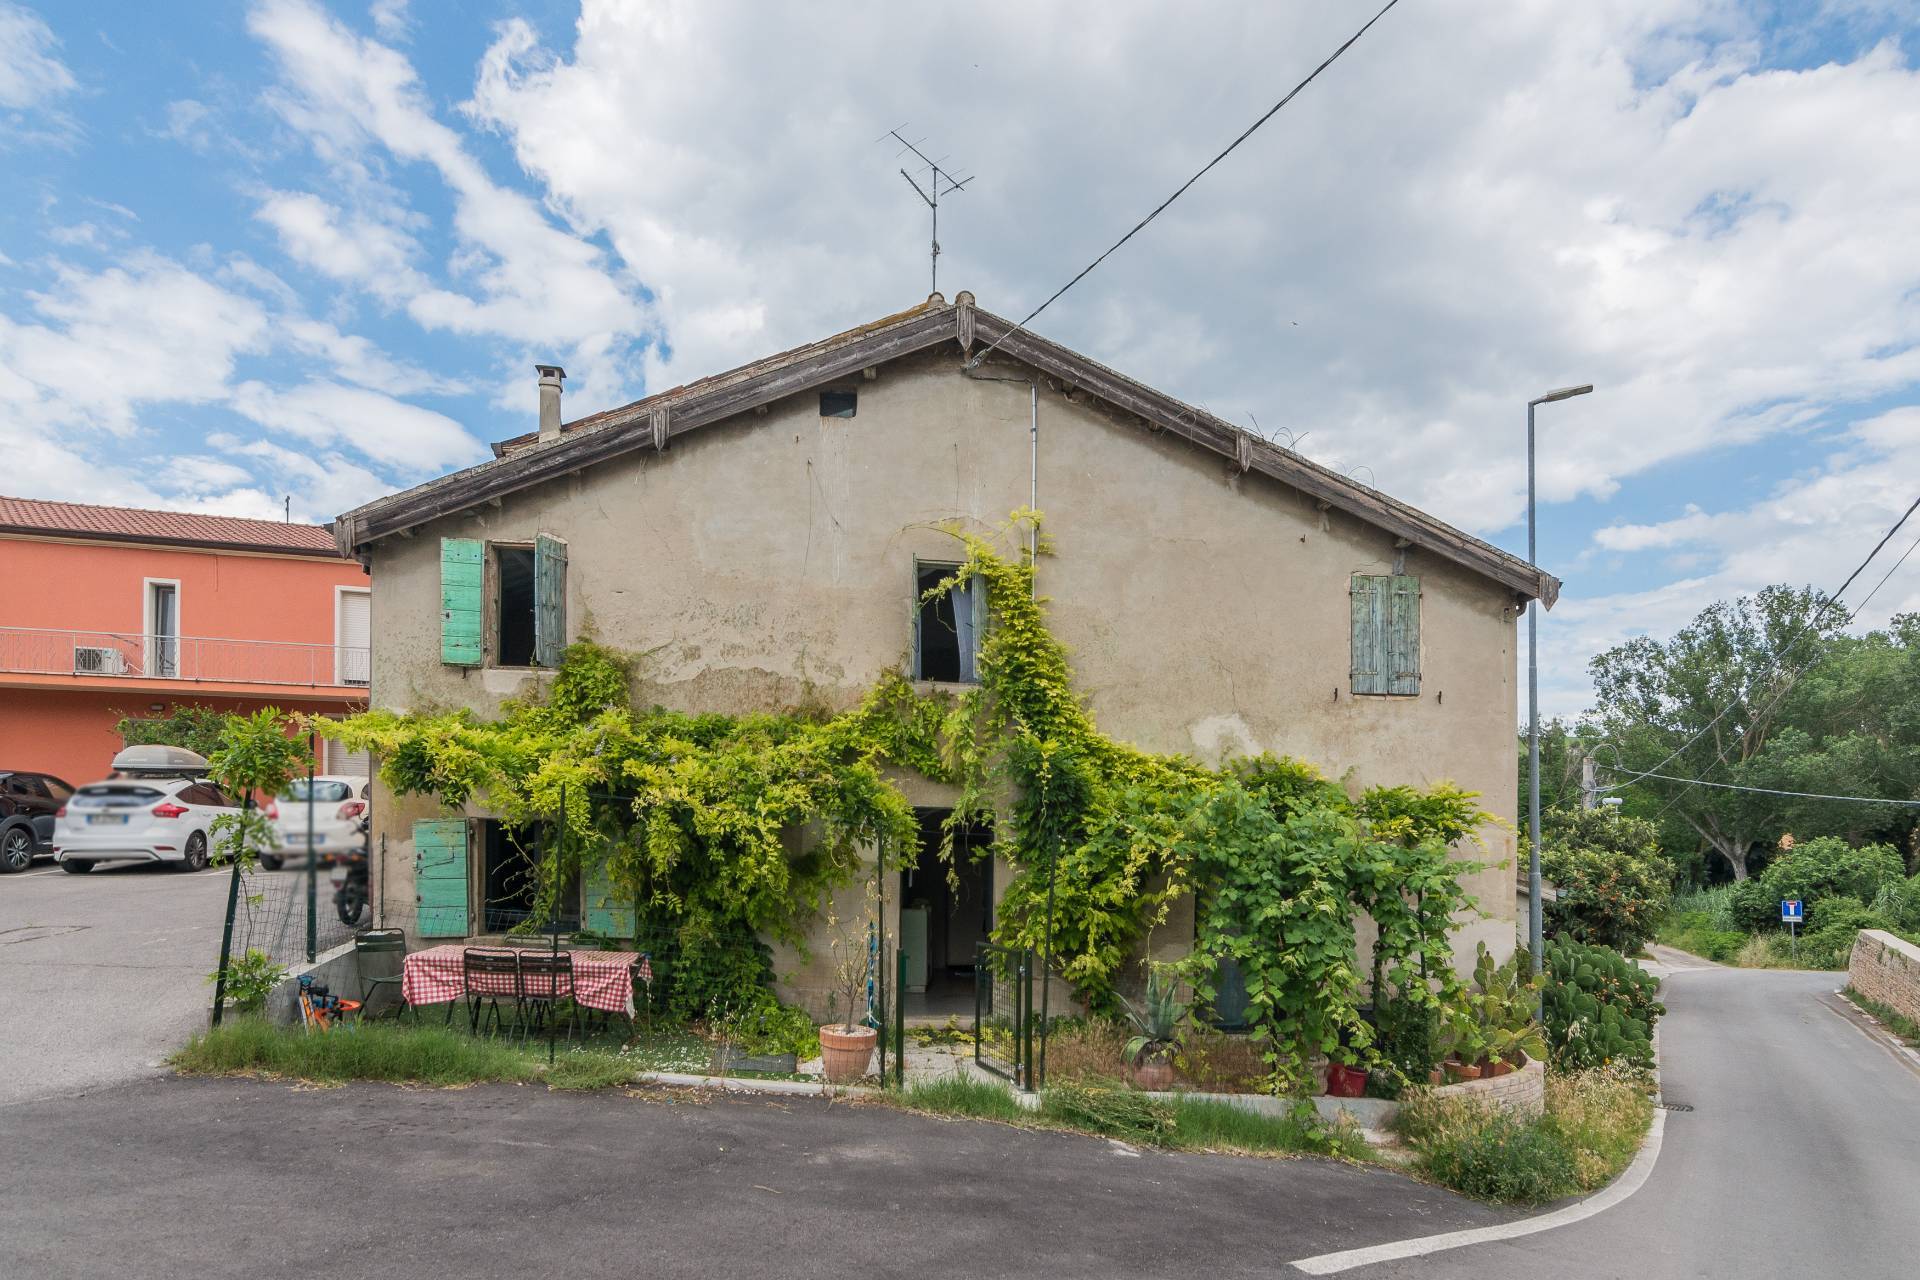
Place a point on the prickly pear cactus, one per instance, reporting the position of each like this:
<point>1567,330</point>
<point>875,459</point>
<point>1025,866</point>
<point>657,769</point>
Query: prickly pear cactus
<point>1600,1007</point>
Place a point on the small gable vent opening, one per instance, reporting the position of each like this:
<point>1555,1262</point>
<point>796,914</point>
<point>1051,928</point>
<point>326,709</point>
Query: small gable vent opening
<point>839,404</point>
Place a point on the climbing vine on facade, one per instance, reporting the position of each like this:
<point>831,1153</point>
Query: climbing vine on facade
<point>696,818</point>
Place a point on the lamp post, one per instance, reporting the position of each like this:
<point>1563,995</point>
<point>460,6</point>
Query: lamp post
<point>1535,907</point>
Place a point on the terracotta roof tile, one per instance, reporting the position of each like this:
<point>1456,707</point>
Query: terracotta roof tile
<point>173,528</point>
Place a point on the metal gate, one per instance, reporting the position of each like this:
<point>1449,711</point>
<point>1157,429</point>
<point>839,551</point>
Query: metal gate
<point>1003,1017</point>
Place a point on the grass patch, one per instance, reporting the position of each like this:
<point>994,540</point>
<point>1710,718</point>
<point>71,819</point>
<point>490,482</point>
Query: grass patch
<point>393,1053</point>
<point>1590,1131</point>
<point>958,1095</point>
<point>1892,1019</point>
<point>1202,1125</point>
<point>427,1055</point>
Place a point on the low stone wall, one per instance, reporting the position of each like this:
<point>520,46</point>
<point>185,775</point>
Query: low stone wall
<point>339,971</point>
<point>1886,969</point>
<point>1524,1091</point>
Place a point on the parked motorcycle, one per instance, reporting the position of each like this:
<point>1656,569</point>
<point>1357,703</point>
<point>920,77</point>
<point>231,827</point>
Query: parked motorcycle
<point>349,877</point>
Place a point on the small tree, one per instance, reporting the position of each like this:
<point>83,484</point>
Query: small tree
<point>255,755</point>
<point>1612,883</point>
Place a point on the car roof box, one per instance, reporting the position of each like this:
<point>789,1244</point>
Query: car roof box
<point>154,759</point>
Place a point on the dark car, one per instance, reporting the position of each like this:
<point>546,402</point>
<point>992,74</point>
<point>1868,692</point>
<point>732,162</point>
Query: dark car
<point>28,803</point>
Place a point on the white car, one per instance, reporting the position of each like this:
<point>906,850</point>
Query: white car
<point>133,819</point>
<point>339,804</point>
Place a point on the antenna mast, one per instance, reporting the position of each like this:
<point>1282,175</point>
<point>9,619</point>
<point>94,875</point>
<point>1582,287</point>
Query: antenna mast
<point>941,182</point>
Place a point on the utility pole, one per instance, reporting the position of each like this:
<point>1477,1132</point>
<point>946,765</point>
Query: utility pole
<point>1589,788</point>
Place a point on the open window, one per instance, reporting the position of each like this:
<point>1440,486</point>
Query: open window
<point>947,627</point>
<point>513,606</point>
<point>513,594</point>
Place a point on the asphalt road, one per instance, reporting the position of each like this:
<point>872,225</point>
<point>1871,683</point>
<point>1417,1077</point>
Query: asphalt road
<point>203,1178</point>
<point>101,975</point>
<point>1801,1156</point>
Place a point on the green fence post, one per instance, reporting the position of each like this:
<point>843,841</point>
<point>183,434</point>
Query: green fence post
<point>313,862</point>
<point>226,933</point>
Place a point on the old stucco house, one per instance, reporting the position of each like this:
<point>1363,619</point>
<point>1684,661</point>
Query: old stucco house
<point>762,537</point>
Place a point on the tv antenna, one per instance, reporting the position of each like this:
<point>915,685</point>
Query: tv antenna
<point>940,182</point>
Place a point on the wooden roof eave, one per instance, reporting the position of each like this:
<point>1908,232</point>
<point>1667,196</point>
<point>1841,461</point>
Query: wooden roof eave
<point>657,420</point>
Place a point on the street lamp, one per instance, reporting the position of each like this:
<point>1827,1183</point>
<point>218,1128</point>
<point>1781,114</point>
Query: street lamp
<point>1534,905</point>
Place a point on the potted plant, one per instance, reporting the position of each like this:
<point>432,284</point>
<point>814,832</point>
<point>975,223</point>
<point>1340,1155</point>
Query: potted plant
<point>1503,1013</point>
<point>846,1047</point>
<point>1463,1041</point>
<point>1156,1021</point>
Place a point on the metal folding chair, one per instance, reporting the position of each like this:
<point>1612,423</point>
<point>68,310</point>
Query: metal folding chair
<point>490,973</point>
<point>546,979</point>
<point>382,942</point>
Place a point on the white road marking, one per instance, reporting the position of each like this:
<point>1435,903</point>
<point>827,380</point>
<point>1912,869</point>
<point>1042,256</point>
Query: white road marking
<point>1327,1264</point>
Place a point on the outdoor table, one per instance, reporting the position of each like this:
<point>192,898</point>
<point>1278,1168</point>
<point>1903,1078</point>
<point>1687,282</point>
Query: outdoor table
<point>602,980</point>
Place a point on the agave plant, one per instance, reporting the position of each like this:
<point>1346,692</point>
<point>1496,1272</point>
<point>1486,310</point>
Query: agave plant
<point>1156,1019</point>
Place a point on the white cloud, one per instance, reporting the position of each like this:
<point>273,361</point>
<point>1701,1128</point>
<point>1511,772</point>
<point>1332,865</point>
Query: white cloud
<point>518,275</point>
<point>1810,530</point>
<point>97,354</point>
<point>30,73</point>
<point>189,122</point>
<point>1451,219</point>
<point>382,428</point>
<point>391,19</point>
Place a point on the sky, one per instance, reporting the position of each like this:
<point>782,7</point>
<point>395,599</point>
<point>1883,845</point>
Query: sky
<point>307,251</point>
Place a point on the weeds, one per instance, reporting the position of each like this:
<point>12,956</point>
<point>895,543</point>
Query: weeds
<point>1113,1111</point>
<point>966,1096</point>
<point>1895,1021</point>
<point>1588,1134</point>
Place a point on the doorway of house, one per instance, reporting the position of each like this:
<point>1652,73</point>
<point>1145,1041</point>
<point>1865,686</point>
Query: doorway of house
<point>946,912</point>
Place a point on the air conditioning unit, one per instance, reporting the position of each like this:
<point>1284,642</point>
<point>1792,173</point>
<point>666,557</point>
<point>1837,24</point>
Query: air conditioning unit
<point>89,660</point>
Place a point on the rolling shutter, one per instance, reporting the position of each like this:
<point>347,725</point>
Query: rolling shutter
<point>604,912</point>
<point>549,600</point>
<point>440,877</point>
<point>462,562</point>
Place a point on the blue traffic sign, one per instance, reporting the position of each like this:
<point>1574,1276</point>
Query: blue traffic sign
<point>1792,911</point>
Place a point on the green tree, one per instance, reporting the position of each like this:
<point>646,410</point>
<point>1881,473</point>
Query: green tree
<point>196,728</point>
<point>1706,704</point>
<point>1611,881</point>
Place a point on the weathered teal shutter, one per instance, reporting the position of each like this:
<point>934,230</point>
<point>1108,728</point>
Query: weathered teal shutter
<point>977,602</point>
<point>1369,662</point>
<point>462,562</point>
<point>440,877</point>
<point>1403,634</point>
<point>606,913</point>
<point>549,600</point>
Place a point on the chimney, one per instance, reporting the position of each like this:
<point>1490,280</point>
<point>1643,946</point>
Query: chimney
<point>550,378</point>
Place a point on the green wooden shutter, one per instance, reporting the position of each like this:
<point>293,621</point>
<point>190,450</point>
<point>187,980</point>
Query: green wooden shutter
<point>440,877</point>
<point>462,563</point>
<point>1403,635</point>
<point>1369,663</point>
<point>549,600</point>
<point>605,912</point>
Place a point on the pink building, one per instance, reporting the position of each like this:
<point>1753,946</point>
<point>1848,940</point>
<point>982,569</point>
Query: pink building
<point>112,612</point>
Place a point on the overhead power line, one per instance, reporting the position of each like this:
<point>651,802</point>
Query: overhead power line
<point>1813,620</point>
<point>1162,206</point>
<point>1769,791</point>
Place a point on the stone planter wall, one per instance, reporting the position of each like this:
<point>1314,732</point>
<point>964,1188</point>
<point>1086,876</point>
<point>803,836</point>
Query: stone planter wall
<point>1886,969</point>
<point>1524,1091</point>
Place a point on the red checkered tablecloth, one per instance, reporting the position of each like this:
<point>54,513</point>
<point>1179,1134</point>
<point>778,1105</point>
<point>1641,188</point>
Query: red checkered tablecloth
<point>601,979</point>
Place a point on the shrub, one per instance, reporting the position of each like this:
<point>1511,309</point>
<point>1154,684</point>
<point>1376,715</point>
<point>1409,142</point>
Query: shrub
<point>1716,904</point>
<point>1829,943</point>
<point>251,978</point>
<point>1828,867</point>
<point>1612,884</point>
<point>1487,1151</point>
<point>1600,1007</point>
<point>1899,902</point>
<point>1694,931</point>
<point>1407,1042</point>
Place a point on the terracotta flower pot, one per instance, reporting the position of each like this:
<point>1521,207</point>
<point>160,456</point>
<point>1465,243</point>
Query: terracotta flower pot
<point>1497,1067</point>
<point>846,1054</point>
<point>1459,1071</point>
<point>1153,1074</point>
<point>1436,1076</point>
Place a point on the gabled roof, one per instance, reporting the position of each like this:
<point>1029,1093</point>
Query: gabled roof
<point>653,423</point>
<point>29,516</point>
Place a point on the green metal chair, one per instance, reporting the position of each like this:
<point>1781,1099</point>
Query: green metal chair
<point>382,942</point>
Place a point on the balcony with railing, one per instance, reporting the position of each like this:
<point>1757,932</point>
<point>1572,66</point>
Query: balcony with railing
<point>115,657</point>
